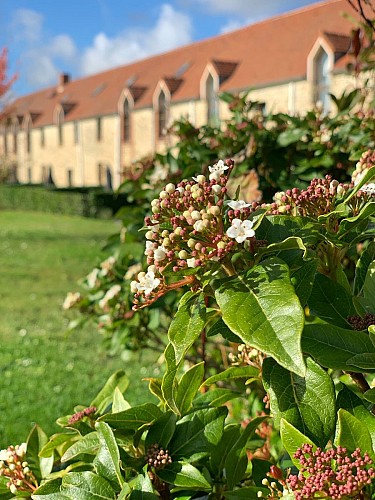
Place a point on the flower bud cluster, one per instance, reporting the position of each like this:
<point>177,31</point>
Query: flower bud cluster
<point>318,199</point>
<point>333,473</point>
<point>190,228</point>
<point>359,323</point>
<point>16,470</point>
<point>364,164</point>
<point>77,417</point>
<point>246,355</point>
<point>157,458</point>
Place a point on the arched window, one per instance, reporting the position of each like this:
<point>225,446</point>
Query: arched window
<point>322,79</point>
<point>162,114</point>
<point>126,124</point>
<point>212,101</point>
<point>60,122</point>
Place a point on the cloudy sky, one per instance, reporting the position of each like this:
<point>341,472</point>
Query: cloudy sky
<point>81,37</point>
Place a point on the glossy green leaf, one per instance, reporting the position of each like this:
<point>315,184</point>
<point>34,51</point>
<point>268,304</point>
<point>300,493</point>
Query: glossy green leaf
<point>162,430</point>
<point>290,136</point>
<point>188,387</point>
<point>142,488</point>
<point>105,396</point>
<point>367,257</point>
<point>247,493</point>
<point>169,384</point>
<point>350,402</point>
<point>107,460</point>
<point>220,328</point>
<point>330,301</point>
<point>87,444</point>
<point>41,466</point>
<point>51,490</point>
<point>293,439</point>
<point>332,346</point>
<point>364,361</point>
<point>306,403</point>
<point>370,395</point>
<point>369,285</point>
<point>56,441</point>
<point>236,461</point>
<point>187,323</point>
<point>262,308</point>
<point>215,397</point>
<point>133,418</point>
<point>119,402</point>
<point>87,486</point>
<point>233,372</point>
<point>183,475</point>
<point>349,223</point>
<point>220,452</point>
<point>303,280</point>
<point>291,243</point>
<point>352,434</point>
<point>276,228</point>
<point>198,432</point>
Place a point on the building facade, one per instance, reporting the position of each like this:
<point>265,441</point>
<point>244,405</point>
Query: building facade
<point>84,132</point>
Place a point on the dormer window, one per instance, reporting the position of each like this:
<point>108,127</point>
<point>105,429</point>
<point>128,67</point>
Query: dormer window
<point>162,114</point>
<point>322,79</point>
<point>211,100</point>
<point>126,120</point>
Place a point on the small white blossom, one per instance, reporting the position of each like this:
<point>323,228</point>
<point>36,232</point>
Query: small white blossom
<point>92,278</point>
<point>217,170</point>
<point>369,188</point>
<point>238,205</point>
<point>240,230</point>
<point>191,262</point>
<point>199,225</point>
<point>216,189</point>
<point>146,283</point>
<point>160,253</point>
<point>200,179</point>
<point>149,246</point>
<point>107,265</point>
<point>111,294</point>
<point>70,300</point>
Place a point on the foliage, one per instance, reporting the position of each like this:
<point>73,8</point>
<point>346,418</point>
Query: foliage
<point>291,281</point>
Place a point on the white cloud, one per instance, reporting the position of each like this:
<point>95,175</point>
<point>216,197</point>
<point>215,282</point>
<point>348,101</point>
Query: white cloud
<point>171,30</point>
<point>27,25</point>
<point>62,46</point>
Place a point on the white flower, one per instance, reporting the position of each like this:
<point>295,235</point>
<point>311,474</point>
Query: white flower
<point>200,179</point>
<point>160,253</point>
<point>149,246</point>
<point>240,230</point>
<point>217,170</point>
<point>148,282</point>
<point>199,225</point>
<point>132,271</point>
<point>191,262</point>
<point>71,300</point>
<point>216,189</point>
<point>4,455</point>
<point>369,188</point>
<point>21,449</point>
<point>238,205</point>
<point>107,265</point>
<point>92,278</point>
<point>111,294</point>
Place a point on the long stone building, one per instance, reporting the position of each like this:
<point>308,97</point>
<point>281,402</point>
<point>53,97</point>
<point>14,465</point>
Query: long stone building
<point>83,132</point>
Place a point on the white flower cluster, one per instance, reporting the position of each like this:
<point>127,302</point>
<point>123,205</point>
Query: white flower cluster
<point>147,282</point>
<point>240,230</point>
<point>110,294</point>
<point>72,299</point>
<point>217,170</point>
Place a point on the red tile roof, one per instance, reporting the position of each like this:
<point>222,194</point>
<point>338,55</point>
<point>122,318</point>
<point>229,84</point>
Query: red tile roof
<point>271,51</point>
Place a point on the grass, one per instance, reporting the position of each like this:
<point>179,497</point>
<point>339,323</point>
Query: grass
<point>44,371</point>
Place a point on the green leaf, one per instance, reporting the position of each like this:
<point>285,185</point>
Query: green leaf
<point>291,243</point>
<point>233,372</point>
<point>330,301</point>
<point>187,323</point>
<point>215,397</point>
<point>262,308</point>
<point>220,328</point>
<point>142,488</point>
<point>133,418</point>
<point>87,444</point>
<point>36,440</point>
<point>293,439</point>
<point>350,402</point>
<point>333,347</point>
<point>351,433</point>
<point>169,384</point>
<point>248,493</point>
<point>119,402</point>
<point>370,395</point>
<point>183,475</point>
<point>236,461</point>
<point>220,452</point>
<point>370,174</point>
<point>306,403</point>
<point>188,387</point>
<point>303,280</point>
<point>276,228</point>
<point>107,461</point>
<point>364,361</point>
<point>162,430</point>
<point>368,255</point>
<point>87,486</point>
<point>290,136</point>
<point>51,490</point>
<point>56,441</point>
<point>197,432</point>
<point>105,396</point>
<point>369,285</point>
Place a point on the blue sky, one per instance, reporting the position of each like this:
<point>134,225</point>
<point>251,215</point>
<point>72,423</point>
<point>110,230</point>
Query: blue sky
<point>81,37</point>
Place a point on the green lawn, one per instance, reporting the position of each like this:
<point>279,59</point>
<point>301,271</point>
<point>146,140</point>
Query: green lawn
<point>45,371</point>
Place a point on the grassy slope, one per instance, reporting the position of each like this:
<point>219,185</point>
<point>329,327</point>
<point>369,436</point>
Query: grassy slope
<point>45,372</point>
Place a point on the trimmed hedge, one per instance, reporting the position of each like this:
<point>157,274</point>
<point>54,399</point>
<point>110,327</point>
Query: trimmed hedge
<point>87,202</point>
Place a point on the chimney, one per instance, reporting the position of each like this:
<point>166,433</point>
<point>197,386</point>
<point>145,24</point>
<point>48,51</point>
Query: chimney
<point>64,78</point>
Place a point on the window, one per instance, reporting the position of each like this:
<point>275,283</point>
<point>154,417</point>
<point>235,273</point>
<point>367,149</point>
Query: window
<point>5,142</point>
<point>44,174</point>
<point>212,101</point>
<point>162,114</point>
<point>321,80</point>
<point>60,121</point>
<point>76,133</point>
<point>42,138</point>
<point>70,177</point>
<point>126,121</point>
<point>99,128</point>
<point>15,141</point>
<point>50,181</point>
<point>101,174</point>
<point>28,137</point>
